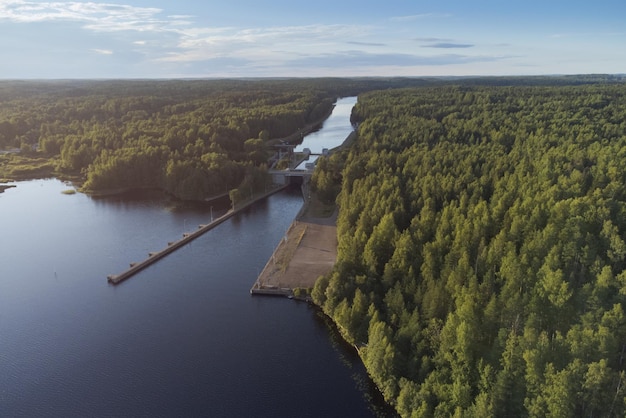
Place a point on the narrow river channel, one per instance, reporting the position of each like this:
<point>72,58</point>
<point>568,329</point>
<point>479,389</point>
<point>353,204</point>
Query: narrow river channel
<point>181,338</point>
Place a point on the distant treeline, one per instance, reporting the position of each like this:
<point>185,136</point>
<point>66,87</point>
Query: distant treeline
<point>482,249</point>
<point>192,138</point>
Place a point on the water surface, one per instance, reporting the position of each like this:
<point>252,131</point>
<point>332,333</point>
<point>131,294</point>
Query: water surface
<point>182,338</point>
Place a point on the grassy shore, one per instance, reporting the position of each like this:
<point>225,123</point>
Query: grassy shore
<point>22,167</point>
<point>317,209</point>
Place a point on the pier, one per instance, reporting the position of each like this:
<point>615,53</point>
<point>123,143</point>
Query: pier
<point>172,246</point>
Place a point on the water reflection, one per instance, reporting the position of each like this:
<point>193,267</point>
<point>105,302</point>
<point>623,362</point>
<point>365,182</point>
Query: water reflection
<point>182,338</point>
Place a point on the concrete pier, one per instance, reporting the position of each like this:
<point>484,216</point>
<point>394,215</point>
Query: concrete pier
<point>172,246</point>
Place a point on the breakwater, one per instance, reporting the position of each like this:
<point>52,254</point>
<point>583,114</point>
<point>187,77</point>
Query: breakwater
<point>153,257</point>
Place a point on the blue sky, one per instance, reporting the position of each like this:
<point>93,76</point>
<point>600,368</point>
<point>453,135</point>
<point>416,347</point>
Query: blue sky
<point>232,38</point>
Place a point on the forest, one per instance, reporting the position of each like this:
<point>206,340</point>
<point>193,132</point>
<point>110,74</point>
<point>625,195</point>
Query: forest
<point>195,139</point>
<point>192,139</point>
<point>481,268</point>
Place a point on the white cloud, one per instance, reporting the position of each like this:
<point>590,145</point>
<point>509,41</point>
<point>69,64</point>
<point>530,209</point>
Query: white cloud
<point>178,38</point>
<point>156,42</point>
<point>95,16</point>
<point>200,44</point>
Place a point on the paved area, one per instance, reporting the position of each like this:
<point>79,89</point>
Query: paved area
<point>309,250</point>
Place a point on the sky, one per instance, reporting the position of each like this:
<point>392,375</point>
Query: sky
<point>314,38</point>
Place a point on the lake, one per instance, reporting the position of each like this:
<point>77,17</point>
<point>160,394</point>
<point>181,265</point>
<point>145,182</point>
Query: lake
<point>181,338</point>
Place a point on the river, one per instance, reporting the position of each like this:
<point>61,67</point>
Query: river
<point>334,130</point>
<point>182,338</point>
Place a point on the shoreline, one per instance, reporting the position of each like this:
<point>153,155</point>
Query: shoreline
<point>45,171</point>
<point>4,187</point>
<point>297,136</point>
<point>307,251</point>
<point>124,190</point>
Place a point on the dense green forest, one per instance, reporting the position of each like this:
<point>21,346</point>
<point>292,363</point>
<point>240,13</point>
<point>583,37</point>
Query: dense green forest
<point>482,249</point>
<point>193,138</point>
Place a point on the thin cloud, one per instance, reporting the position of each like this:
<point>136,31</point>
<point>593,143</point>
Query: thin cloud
<point>433,40</point>
<point>181,17</point>
<point>199,45</point>
<point>361,58</point>
<point>180,20</point>
<point>102,51</point>
<point>180,40</point>
<point>443,43</point>
<point>95,16</point>
<point>365,43</point>
<point>448,45</point>
<point>348,62</point>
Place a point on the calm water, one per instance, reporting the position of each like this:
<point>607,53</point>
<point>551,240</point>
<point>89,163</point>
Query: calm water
<point>182,338</point>
<point>334,130</point>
